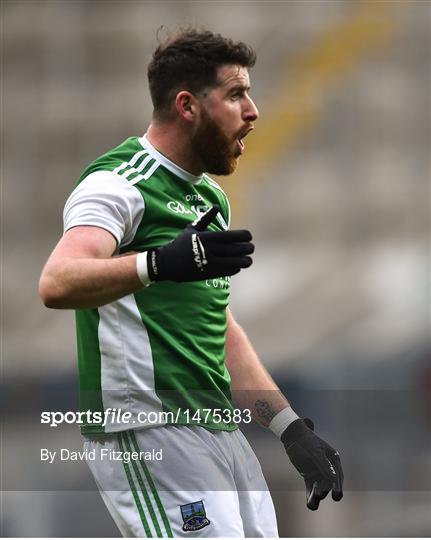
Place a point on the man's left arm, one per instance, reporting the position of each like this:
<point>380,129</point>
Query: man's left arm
<point>253,388</point>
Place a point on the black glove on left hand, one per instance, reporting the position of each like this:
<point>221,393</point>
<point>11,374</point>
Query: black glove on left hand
<point>316,461</point>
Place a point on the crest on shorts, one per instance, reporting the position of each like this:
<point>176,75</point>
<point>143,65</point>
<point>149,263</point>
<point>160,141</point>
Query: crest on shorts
<point>194,517</point>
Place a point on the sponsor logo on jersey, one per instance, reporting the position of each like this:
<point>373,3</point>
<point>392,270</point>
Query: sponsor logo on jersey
<point>194,516</point>
<point>198,210</point>
<point>178,208</point>
<point>194,197</point>
<point>218,283</point>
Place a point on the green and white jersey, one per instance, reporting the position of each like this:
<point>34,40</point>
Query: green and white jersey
<point>162,348</point>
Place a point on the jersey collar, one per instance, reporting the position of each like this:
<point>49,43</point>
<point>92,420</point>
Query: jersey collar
<point>170,165</point>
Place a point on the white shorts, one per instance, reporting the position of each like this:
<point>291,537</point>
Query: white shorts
<point>182,481</point>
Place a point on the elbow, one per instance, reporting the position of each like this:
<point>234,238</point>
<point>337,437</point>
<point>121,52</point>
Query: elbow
<point>51,294</point>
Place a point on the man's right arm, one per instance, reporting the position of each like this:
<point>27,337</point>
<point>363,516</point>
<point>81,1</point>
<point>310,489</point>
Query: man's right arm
<point>83,273</point>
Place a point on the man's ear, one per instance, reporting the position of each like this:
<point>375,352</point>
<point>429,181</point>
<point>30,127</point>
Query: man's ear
<point>186,105</point>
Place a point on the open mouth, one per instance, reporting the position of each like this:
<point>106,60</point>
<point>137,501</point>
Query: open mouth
<point>240,140</point>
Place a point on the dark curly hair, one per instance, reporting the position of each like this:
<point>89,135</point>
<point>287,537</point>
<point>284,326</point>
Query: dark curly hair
<point>189,61</point>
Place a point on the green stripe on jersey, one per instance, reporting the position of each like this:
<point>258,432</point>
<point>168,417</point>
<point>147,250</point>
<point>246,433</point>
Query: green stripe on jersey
<point>136,167</point>
<point>89,365</point>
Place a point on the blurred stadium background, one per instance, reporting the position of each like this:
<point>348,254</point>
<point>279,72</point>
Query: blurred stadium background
<point>335,187</point>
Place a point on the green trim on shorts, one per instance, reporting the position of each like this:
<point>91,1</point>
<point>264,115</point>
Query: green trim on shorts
<point>152,486</point>
<point>134,492</point>
<point>143,488</point>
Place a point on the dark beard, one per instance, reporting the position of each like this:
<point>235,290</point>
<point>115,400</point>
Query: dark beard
<point>213,147</point>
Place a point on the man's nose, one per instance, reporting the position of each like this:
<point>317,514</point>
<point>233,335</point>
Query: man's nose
<point>251,112</point>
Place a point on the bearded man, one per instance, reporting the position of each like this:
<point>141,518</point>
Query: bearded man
<point>145,260</point>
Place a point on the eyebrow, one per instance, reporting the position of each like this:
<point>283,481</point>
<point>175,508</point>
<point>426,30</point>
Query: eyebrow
<point>239,86</point>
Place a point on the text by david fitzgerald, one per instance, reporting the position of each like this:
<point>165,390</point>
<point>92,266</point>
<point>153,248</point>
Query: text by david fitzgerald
<point>103,454</point>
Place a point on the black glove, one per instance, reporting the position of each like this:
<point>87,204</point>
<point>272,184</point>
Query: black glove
<point>197,254</point>
<point>316,461</point>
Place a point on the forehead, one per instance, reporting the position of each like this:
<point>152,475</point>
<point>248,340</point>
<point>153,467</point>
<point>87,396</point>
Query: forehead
<point>232,75</point>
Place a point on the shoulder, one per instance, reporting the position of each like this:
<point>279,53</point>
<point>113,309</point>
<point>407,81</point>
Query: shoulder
<point>213,184</point>
<point>101,184</point>
<point>129,160</point>
<point>105,199</point>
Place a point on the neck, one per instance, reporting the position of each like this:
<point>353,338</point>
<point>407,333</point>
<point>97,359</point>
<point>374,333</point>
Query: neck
<point>171,141</point>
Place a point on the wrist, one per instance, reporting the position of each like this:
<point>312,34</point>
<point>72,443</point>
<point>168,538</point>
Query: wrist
<point>153,264</point>
<point>142,269</point>
<point>298,428</point>
<point>282,421</point>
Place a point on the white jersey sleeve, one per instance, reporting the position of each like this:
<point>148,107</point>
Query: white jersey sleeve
<point>107,200</point>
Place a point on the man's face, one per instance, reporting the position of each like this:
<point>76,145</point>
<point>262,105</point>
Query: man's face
<point>227,115</point>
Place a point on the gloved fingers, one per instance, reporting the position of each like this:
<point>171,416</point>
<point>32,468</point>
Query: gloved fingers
<point>232,250</point>
<point>337,481</point>
<point>335,459</point>
<point>323,488</point>
<point>311,496</point>
<point>232,263</point>
<point>225,237</point>
<point>202,223</point>
<point>337,491</point>
<point>317,490</point>
<point>337,486</point>
<point>222,272</point>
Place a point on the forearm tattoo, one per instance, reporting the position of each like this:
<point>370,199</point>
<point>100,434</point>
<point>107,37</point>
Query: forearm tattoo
<point>264,410</point>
